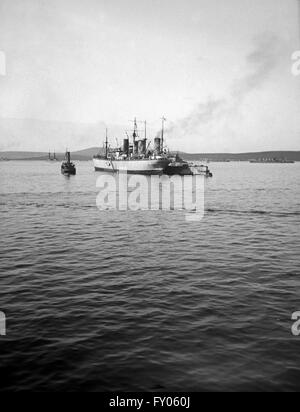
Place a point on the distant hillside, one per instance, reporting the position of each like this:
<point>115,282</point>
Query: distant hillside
<point>223,157</point>
<point>22,155</point>
<point>20,137</point>
<point>88,154</point>
<point>32,156</point>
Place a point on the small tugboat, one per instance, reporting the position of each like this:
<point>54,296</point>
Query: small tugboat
<point>67,167</point>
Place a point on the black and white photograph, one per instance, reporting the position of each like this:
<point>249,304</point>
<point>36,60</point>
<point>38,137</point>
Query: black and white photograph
<point>149,198</point>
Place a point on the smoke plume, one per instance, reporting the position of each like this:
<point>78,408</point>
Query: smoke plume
<point>216,119</point>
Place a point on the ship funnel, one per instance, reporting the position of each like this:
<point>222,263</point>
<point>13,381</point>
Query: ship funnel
<point>157,145</point>
<point>135,147</point>
<point>142,146</point>
<point>126,146</point>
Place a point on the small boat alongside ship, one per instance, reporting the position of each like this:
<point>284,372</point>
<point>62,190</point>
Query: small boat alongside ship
<point>180,167</point>
<point>68,168</point>
<point>136,157</point>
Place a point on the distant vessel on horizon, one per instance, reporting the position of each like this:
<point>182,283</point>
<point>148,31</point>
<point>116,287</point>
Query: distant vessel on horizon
<point>50,158</point>
<point>274,160</point>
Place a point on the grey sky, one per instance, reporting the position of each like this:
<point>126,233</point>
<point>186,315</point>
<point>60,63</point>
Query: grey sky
<point>220,71</point>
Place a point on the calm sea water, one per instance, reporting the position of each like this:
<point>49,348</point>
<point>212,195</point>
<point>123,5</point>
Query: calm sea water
<point>145,300</point>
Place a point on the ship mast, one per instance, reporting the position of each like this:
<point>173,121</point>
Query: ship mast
<point>106,144</point>
<point>135,131</point>
<point>162,133</point>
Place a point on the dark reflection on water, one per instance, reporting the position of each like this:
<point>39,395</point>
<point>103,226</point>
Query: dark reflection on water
<point>144,300</point>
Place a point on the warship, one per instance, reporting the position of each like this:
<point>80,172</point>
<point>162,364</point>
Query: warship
<point>134,157</point>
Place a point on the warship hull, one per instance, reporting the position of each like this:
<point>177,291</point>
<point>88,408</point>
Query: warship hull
<point>142,166</point>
